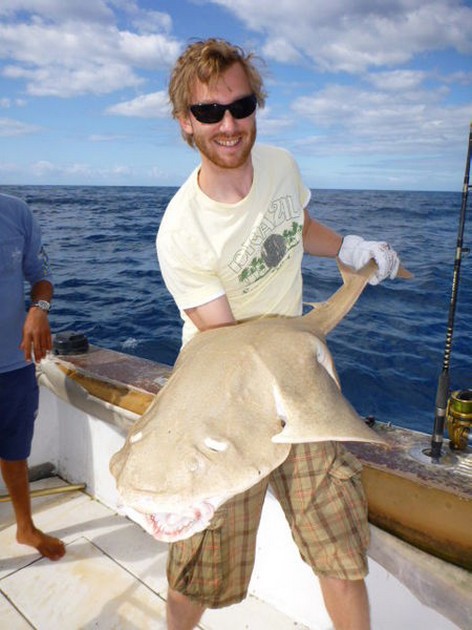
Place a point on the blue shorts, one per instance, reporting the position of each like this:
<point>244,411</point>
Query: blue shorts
<point>19,399</point>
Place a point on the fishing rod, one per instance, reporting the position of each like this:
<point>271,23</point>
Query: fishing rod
<point>442,391</point>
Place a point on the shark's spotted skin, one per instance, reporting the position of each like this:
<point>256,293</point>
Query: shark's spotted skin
<point>238,397</point>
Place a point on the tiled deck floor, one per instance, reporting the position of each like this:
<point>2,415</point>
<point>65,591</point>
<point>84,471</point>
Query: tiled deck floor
<point>112,576</point>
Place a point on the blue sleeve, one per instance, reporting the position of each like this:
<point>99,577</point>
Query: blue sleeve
<point>35,260</point>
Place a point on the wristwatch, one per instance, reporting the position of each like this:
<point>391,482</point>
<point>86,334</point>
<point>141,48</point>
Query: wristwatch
<point>44,305</point>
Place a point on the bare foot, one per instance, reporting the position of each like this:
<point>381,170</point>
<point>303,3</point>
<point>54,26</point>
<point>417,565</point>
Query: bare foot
<point>48,546</point>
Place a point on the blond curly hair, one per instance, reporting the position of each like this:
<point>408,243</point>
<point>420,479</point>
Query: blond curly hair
<point>205,61</point>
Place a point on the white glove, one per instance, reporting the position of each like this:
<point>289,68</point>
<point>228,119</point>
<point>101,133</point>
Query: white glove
<point>356,252</point>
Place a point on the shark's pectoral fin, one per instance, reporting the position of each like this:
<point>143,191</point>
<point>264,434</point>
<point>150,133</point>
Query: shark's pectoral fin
<point>318,413</point>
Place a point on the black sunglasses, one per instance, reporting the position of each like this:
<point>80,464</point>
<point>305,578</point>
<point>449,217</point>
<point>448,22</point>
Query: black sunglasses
<point>211,113</point>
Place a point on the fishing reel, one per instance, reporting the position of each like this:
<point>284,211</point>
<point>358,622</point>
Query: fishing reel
<point>459,419</point>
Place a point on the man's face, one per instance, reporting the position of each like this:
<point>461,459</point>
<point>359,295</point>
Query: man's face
<point>227,143</point>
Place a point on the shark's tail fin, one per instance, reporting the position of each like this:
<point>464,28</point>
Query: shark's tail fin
<point>326,315</point>
<point>404,273</point>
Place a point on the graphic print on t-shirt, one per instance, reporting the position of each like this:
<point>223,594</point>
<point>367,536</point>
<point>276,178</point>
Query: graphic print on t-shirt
<point>269,244</point>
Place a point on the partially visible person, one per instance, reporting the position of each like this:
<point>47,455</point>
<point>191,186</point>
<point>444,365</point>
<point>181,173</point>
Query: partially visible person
<point>25,337</point>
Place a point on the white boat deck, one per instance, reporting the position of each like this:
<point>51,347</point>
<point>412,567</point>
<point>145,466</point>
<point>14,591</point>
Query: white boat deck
<point>112,576</point>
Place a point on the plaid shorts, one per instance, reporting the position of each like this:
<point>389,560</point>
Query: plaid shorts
<point>321,494</point>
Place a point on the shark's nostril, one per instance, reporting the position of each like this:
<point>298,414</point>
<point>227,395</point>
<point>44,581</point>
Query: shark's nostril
<point>194,464</point>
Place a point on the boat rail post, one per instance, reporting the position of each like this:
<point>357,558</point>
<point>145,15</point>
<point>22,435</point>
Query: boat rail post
<point>443,381</point>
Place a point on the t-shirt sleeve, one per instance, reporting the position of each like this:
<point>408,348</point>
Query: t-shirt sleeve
<point>36,265</point>
<point>303,190</point>
<point>187,269</point>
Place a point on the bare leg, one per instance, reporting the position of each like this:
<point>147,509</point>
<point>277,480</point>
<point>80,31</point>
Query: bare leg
<point>347,603</point>
<point>182,613</point>
<point>15,475</point>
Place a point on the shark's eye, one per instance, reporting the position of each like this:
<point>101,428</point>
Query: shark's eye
<point>216,445</point>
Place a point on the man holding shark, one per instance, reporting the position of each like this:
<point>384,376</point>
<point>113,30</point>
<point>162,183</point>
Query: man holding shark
<point>230,247</point>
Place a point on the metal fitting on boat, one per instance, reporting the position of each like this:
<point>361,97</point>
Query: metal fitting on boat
<point>69,342</point>
<point>459,419</point>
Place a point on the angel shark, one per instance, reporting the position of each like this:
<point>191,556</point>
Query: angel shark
<point>238,398</point>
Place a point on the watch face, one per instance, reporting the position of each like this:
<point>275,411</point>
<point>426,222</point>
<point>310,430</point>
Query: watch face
<point>43,305</point>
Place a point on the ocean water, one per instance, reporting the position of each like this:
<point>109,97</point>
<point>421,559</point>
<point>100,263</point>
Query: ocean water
<point>388,350</point>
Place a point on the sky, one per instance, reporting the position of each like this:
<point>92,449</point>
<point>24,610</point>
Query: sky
<point>367,94</point>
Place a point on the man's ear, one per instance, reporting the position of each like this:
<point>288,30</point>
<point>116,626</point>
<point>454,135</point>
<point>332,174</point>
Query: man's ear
<point>186,124</point>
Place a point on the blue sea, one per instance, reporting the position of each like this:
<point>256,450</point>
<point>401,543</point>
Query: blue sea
<point>388,350</point>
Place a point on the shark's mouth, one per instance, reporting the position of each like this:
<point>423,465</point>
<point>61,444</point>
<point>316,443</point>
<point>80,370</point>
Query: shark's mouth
<point>170,526</point>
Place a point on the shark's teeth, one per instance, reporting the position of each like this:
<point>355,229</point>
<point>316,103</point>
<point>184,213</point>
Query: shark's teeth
<point>169,527</point>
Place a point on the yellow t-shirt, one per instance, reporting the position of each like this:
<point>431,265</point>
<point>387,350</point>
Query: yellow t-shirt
<point>251,250</point>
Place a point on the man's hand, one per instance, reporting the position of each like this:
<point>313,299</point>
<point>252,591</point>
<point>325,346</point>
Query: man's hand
<point>37,339</point>
<point>356,252</point>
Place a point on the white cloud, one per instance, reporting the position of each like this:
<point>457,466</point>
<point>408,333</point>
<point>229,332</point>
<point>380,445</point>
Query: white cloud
<point>46,170</point>
<point>72,48</point>
<point>10,128</point>
<point>342,35</point>
<point>154,105</point>
<point>75,10</point>
<point>147,51</point>
<point>397,79</point>
<point>6,103</point>
<point>102,137</point>
<point>281,50</point>
<point>66,82</point>
<point>268,125</point>
<point>153,21</point>
<point>383,121</point>
<point>459,77</point>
